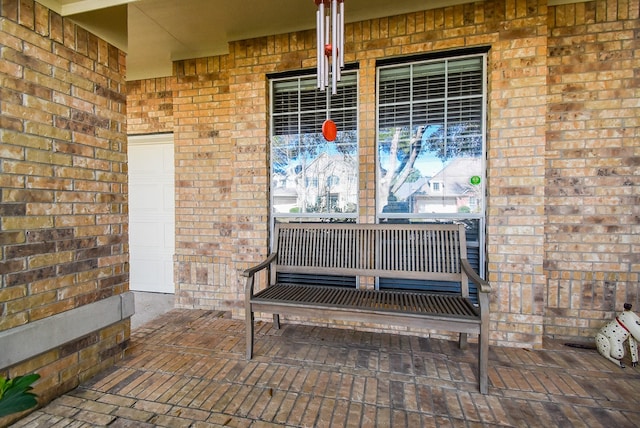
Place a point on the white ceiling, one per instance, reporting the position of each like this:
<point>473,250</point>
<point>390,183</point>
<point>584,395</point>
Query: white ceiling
<point>156,32</point>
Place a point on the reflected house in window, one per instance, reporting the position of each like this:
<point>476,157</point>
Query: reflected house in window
<point>325,185</point>
<point>285,195</point>
<point>449,191</point>
<point>329,184</point>
<point>403,200</point>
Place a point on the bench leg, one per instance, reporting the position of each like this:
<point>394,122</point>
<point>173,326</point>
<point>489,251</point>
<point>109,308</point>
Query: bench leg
<point>276,321</point>
<point>462,341</point>
<point>483,362</point>
<point>249,332</point>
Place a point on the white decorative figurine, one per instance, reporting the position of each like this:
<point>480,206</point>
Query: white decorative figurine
<point>610,339</point>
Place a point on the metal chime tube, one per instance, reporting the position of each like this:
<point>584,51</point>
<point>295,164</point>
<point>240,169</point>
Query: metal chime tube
<point>341,27</point>
<point>325,57</point>
<point>334,47</point>
<point>319,39</point>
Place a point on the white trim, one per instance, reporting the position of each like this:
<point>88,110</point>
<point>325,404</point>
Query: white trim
<point>151,138</point>
<point>72,7</point>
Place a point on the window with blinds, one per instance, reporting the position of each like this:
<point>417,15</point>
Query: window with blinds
<point>431,139</point>
<point>312,178</point>
<point>431,146</point>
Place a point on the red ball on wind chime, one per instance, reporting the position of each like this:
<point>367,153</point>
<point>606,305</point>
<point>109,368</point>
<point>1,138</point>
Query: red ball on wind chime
<point>330,51</point>
<point>327,50</point>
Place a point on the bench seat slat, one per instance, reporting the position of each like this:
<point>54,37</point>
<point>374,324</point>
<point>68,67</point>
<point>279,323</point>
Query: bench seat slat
<point>394,301</point>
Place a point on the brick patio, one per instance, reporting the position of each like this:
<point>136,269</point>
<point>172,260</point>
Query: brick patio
<point>187,369</point>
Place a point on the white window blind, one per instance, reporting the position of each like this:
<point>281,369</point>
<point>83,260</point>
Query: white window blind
<point>447,94</point>
<point>299,108</point>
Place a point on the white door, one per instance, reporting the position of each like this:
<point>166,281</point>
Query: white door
<point>151,213</point>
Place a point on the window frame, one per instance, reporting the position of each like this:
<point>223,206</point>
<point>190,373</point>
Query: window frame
<point>480,217</point>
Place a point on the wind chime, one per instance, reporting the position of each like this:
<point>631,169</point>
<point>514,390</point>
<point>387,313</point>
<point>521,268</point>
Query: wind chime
<point>330,42</point>
<point>330,51</point>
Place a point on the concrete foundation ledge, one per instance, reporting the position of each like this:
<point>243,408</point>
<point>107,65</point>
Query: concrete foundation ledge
<point>26,341</point>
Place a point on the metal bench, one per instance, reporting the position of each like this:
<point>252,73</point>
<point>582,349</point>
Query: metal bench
<point>315,271</point>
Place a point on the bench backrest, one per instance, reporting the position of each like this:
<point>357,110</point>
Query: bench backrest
<point>406,251</point>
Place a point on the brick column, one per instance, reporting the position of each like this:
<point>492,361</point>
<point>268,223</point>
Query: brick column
<point>516,173</point>
<point>63,179</point>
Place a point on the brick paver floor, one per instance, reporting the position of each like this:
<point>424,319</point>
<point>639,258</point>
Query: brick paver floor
<point>188,369</point>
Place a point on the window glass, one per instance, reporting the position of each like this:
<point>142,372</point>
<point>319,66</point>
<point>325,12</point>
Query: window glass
<point>431,138</point>
<point>310,176</point>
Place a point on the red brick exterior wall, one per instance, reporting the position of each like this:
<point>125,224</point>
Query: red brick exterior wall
<point>538,252</point>
<point>63,178</point>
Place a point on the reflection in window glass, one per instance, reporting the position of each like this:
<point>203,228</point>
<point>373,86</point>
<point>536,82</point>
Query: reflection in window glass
<point>431,138</point>
<point>311,176</point>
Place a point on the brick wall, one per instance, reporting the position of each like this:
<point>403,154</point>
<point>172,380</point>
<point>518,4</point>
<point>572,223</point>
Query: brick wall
<point>63,178</point>
<point>592,166</point>
<point>150,106</point>
<point>220,126</point>
<point>515,167</point>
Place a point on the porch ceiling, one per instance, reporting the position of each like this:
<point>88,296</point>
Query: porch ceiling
<point>156,32</point>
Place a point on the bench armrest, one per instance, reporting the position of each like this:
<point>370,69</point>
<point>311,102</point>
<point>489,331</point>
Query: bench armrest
<point>483,285</point>
<point>250,275</point>
<point>257,268</point>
